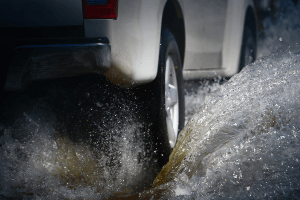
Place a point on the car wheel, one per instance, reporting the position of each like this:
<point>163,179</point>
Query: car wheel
<point>169,97</point>
<point>248,51</point>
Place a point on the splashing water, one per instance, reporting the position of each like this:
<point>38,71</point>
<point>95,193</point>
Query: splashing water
<point>244,141</point>
<point>282,30</point>
<point>79,147</point>
<point>242,144</point>
<point>195,93</point>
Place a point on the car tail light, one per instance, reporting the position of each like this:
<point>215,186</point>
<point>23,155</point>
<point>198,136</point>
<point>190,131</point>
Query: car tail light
<point>100,9</point>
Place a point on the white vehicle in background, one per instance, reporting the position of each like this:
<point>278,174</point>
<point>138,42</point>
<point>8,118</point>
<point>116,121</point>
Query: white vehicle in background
<point>131,42</point>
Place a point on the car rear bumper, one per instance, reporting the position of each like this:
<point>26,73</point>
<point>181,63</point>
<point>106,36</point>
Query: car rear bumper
<point>38,59</point>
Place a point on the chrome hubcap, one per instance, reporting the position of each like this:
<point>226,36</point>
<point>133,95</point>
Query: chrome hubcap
<point>171,102</point>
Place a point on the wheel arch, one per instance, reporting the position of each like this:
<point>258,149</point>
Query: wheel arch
<point>237,15</point>
<point>172,19</point>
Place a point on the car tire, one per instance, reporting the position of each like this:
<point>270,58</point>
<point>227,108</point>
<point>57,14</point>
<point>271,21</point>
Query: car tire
<point>248,51</point>
<point>169,96</point>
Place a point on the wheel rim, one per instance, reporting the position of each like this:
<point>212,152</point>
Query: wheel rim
<point>171,101</point>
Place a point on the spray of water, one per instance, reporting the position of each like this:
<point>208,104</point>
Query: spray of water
<point>244,141</point>
<point>195,93</point>
<point>281,29</point>
<point>76,144</point>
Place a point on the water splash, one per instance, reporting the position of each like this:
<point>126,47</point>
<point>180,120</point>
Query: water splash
<point>195,92</point>
<point>76,145</point>
<point>244,141</point>
<point>281,30</point>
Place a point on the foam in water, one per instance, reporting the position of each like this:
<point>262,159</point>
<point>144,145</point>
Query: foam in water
<point>244,141</point>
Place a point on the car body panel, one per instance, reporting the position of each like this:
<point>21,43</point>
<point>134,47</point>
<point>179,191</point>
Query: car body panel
<point>204,24</point>
<point>134,38</point>
<point>16,13</point>
<point>230,44</point>
<point>213,33</point>
<point>233,36</point>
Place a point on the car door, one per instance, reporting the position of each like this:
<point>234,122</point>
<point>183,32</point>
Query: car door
<point>205,25</point>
